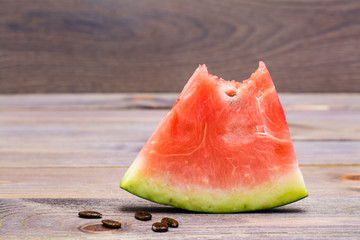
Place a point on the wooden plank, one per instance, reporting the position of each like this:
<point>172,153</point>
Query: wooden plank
<point>327,125</point>
<point>62,156</point>
<point>93,152</point>
<point>113,45</point>
<point>319,102</point>
<point>64,182</point>
<point>57,218</point>
<point>103,182</point>
<point>323,215</point>
<point>138,125</point>
<point>87,102</point>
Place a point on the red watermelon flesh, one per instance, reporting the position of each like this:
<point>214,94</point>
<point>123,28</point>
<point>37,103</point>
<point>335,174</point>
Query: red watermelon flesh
<point>224,147</point>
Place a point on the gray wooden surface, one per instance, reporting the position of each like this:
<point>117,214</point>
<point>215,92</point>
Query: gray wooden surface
<point>155,45</point>
<point>60,154</point>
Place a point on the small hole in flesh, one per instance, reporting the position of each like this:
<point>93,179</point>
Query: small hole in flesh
<point>231,93</point>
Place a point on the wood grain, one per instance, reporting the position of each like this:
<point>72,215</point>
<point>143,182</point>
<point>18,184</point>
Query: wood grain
<point>97,182</point>
<point>61,154</point>
<point>154,46</point>
<point>57,218</point>
<point>323,215</point>
<point>97,153</point>
<point>117,101</point>
<point>138,125</point>
<point>101,130</point>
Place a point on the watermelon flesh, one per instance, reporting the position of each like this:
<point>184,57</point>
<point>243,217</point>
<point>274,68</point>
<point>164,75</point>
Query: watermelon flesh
<point>224,147</point>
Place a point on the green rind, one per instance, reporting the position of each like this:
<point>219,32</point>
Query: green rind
<point>283,190</point>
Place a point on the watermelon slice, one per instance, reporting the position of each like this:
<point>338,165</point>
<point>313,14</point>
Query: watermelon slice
<point>224,147</point>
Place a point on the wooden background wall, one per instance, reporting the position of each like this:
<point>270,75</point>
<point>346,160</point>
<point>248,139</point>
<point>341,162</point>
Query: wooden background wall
<point>155,45</point>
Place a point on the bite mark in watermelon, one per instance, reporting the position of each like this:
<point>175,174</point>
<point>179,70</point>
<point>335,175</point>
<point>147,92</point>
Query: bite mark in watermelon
<point>224,147</point>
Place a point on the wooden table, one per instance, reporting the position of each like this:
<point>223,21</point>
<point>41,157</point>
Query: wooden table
<point>60,154</point>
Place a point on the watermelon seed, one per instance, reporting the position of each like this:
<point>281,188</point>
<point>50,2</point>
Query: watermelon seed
<point>90,214</point>
<point>143,216</point>
<point>160,227</point>
<point>111,223</point>
<point>170,222</point>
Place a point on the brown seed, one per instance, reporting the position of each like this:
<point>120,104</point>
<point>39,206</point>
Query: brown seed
<point>111,223</point>
<point>160,227</point>
<point>143,216</point>
<point>90,214</point>
<point>170,222</point>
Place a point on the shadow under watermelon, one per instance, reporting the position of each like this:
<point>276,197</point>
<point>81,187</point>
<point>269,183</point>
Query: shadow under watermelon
<point>168,209</point>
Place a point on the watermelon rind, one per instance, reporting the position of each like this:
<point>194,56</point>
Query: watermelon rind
<point>279,192</point>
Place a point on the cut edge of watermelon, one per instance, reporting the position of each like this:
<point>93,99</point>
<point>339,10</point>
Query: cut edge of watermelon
<point>279,192</point>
